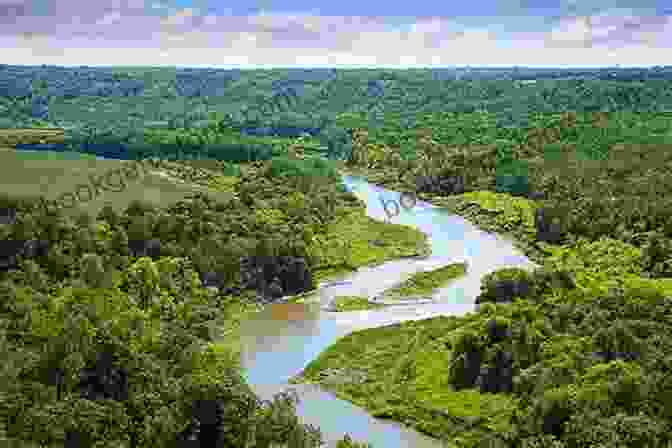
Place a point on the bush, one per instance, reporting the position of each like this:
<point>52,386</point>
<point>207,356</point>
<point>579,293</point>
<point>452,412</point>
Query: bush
<point>347,442</point>
<point>313,167</point>
<point>503,285</point>
<point>596,264</point>
<point>549,225</point>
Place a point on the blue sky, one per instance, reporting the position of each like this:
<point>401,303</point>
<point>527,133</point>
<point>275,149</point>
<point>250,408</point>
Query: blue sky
<point>344,33</point>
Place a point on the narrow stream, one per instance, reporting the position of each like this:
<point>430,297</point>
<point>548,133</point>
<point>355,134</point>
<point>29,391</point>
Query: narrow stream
<point>281,340</point>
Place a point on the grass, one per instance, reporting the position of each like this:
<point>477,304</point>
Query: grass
<point>425,283</point>
<point>354,240</point>
<point>400,372</point>
<point>229,328</point>
<point>509,212</point>
<point>354,303</point>
<point>51,174</point>
<point>508,216</point>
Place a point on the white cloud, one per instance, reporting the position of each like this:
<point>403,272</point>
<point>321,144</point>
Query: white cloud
<point>179,18</point>
<point>278,39</point>
<point>109,19</point>
<point>432,25</point>
<point>573,31</point>
<point>210,20</point>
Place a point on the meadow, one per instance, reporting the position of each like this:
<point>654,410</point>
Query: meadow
<point>50,175</point>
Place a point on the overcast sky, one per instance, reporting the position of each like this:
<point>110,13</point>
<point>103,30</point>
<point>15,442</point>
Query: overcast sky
<point>271,33</point>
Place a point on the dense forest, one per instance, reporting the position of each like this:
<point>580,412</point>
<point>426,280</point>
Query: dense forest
<point>107,324</point>
<point>163,97</point>
<point>576,351</point>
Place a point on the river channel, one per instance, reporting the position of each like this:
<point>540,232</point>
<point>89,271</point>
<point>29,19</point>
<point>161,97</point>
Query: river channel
<point>278,342</point>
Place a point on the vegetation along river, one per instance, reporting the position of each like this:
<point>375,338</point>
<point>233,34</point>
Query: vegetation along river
<point>281,340</point>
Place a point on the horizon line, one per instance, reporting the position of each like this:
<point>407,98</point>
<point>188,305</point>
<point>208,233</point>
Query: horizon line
<point>350,66</point>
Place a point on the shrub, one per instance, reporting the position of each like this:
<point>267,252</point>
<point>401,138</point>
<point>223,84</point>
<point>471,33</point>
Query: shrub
<point>313,167</point>
<point>347,442</point>
<point>503,285</point>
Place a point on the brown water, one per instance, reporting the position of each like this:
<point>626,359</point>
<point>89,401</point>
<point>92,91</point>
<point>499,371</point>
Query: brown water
<point>281,340</point>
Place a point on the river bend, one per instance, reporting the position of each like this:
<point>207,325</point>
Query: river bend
<point>278,342</point>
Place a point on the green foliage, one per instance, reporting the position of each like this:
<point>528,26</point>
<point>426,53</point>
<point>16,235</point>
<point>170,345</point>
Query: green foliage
<point>89,296</point>
<point>312,167</point>
<point>353,303</point>
<point>557,375</point>
<point>347,442</point>
<point>656,250</point>
<point>604,175</point>
<point>93,271</point>
<point>424,283</point>
<point>467,340</point>
<point>512,178</point>
<point>614,384</point>
<point>596,264</point>
<point>517,274</point>
<point>229,169</point>
<point>507,213</point>
<point>165,366</point>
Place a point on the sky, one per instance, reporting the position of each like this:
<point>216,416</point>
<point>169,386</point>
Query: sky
<point>343,33</point>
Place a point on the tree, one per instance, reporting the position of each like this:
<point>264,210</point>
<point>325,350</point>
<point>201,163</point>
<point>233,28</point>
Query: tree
<point>93,271</point>
<point>144,278</point>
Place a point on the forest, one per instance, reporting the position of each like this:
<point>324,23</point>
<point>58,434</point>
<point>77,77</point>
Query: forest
<point>107,325</point>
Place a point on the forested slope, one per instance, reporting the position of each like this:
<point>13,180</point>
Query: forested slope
<point>575,166</point>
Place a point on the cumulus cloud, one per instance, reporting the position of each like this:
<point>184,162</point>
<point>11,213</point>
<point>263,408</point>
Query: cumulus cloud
<point>109,19</point>
<point>611,30</point>
<point>131,32</point>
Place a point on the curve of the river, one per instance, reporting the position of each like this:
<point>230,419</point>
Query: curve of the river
<point>281,340</point>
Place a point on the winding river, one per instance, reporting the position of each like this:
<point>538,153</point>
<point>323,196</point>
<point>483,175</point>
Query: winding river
<point>281,340</point>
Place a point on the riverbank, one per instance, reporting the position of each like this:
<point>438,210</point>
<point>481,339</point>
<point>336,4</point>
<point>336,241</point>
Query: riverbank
<point>416,290</point>
<point>425,283</point>
<point>355,241</point>
<point>401,372</point>
<point>352,303</point>
<point>271,357</point>
<point>366,242</point>
<point>528,370</point>
<point>508,216</point>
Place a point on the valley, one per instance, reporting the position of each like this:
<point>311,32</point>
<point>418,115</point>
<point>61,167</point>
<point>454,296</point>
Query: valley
<point>522,300</point>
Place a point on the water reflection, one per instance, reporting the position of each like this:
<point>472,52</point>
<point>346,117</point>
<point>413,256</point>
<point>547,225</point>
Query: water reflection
<point>281,340</point>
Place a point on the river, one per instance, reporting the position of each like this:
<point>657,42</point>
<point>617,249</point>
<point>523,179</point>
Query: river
<point>281,340</point>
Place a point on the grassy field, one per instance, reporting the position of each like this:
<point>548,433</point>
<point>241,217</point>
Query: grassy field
<point>346,245</point>
<point>52,174</point>
<point>354,303</point>
<point>509,216</point>
<point>355,240</point>
<point>400,372</point>
<point>425,283</point>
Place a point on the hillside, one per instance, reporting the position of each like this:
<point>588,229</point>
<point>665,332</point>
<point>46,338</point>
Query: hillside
<point>111,334</point>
